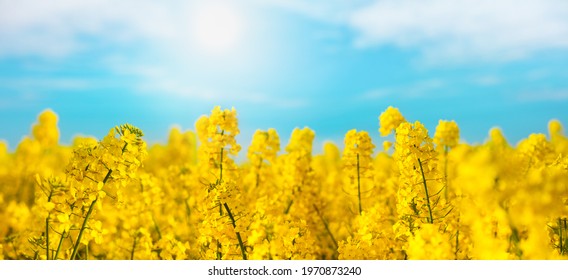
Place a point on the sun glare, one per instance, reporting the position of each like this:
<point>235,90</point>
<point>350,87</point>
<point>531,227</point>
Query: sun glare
<point>217,27</point>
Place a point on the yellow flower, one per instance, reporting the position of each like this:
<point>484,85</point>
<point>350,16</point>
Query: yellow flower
<point>429,243</point>
<point>46,131</point>
<point>389,120</point>
<point>447,134</point>
<point>357,160</point>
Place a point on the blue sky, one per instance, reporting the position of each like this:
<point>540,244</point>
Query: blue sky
<point>330,65</point>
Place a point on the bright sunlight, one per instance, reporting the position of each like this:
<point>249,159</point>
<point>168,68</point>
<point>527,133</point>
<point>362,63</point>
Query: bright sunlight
<point>217,27</point>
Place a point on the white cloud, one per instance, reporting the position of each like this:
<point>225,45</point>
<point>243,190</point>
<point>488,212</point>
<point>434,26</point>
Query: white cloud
<point>418,89</point>
<point>162,80</point>
<point>11,101</point>
<point>183,90</point>
<point>486,80</point>
<point>544,95</point>
<point>538,74</point>
<point>27,84</point>
<point>442,30</point>
<point>57,28</point>
<point>61,28</point>
<point>333,11</point>
<point>464,30</point>
<point>447,31</point>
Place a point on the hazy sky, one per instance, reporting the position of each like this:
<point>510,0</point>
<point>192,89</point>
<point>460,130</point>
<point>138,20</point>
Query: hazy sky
<point>327,64</point>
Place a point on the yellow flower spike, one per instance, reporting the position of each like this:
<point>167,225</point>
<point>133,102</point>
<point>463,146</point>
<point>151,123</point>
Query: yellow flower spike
<point>417,164</point>
<point>390,120</point>
<point>447,134</point>
<point>262,157</point>
<point>46,130</point>
<point>497,138</point>
<point>357,159</point>
<point>536,149</point>
<point>217,134</point>
<point>555,128</point>
<point>264,145</point>
<point>111,164</point>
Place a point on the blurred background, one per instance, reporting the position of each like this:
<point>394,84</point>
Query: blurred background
<point>330,65</point>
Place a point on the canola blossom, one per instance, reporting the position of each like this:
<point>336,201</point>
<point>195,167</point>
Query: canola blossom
<point>424,196</point>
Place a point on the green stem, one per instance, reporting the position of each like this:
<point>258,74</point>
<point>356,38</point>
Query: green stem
<point>287,210</point>
<point>241,245</point>
<point>107,176</point>
<point>47,237</point>
<point>156,226</point>
<point>83,227</point>
<point>431,220</point>
<point>47,227</point>
<point>514,241</point>
<point>133,248</point>
<point>187,209</point>
<point>565,228</point>
<point>565,236</point>
<point>326,227</point>
<point>560,236</point>
<point>14,248</point>
<point>258,174</point>
<point>457,243</point>
<point>219,256</point>
<point>359,186</point>
<point>59,245</point>
<point>446,172</point>
<point>221,167</point>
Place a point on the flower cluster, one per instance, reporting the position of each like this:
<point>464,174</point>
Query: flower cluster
<point>357,158</point>
<point>447,134</point>
<point>421,197</point>
<point>389,120</point>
